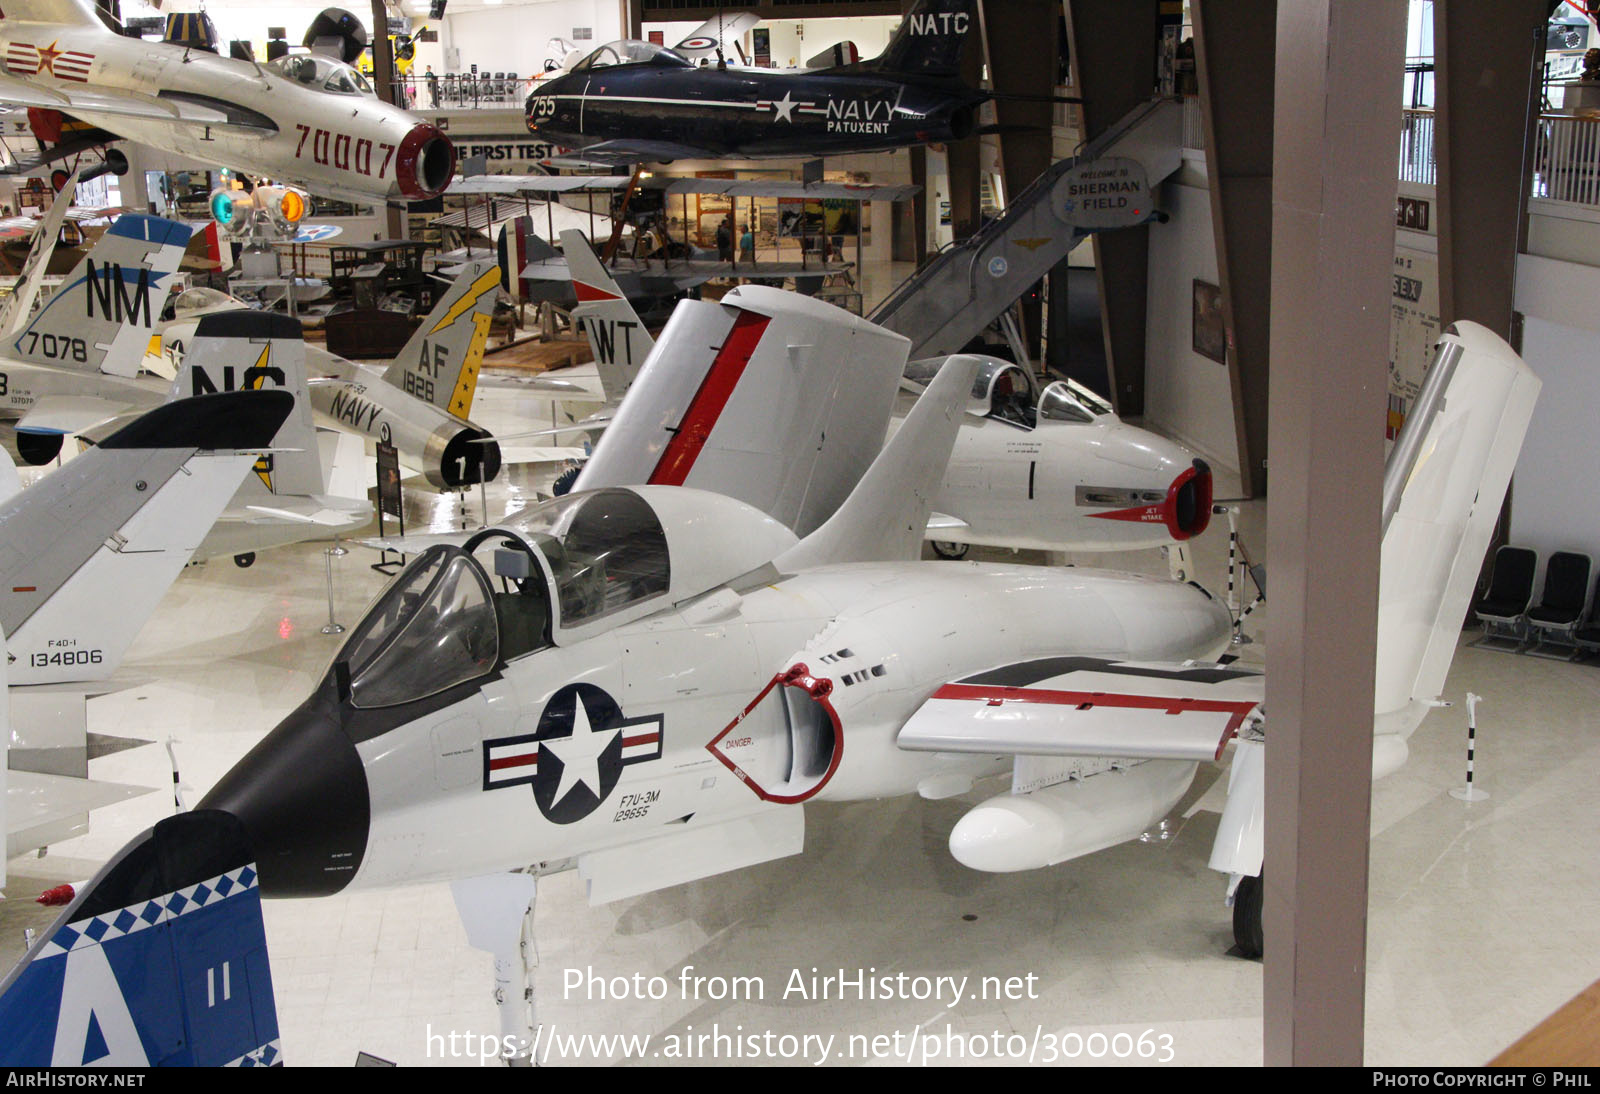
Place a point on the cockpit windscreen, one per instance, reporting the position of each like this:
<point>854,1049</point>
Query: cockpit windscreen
<point>433,629</point>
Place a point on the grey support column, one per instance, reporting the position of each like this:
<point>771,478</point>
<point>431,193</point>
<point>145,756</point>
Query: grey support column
<point>1336,132</point>
<point>916,248</point>
<point>1235,44</point>
<point>1114,55</point>
<point>1022,47</point>
<point>963,157</point>
<point>1487,85</point>
<point>383,80</point>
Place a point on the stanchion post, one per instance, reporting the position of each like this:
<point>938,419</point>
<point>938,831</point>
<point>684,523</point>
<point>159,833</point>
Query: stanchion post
<point>1470,793</point>
<point>331,627</point>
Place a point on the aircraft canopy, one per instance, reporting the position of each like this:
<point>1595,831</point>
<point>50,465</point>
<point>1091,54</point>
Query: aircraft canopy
<point>628,51</point>
<point>315,70</point>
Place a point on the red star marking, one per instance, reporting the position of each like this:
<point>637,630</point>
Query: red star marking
<point>47,58</point>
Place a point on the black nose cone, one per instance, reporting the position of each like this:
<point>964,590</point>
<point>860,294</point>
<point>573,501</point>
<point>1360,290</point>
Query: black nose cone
<point>301,795</point>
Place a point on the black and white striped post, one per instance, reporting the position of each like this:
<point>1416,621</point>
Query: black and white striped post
<point>1470,793</point>
<point>177,787</point>
<point>1236,580</point>
<point>1233,562</point>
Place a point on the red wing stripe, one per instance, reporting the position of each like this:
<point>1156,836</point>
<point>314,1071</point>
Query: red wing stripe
<point>531,759</point>
<point>1236,709</point>
<point>642,739</point>
<point>588,293</point>
<point>709,402</point>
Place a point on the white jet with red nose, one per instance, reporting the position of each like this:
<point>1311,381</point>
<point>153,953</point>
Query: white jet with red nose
<point>307,118</point>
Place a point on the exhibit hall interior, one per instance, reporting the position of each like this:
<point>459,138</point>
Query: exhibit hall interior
<point>649,532</point>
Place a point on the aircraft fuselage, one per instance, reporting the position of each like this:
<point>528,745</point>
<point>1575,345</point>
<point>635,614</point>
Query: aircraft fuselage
<point>726,706</point>
<point>747,114</point>
<point>349,145</point>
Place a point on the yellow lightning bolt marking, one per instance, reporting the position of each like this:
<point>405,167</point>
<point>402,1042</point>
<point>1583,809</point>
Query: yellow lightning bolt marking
<point>263,466</point>
<point>469,299</point>
<point>467,380</point>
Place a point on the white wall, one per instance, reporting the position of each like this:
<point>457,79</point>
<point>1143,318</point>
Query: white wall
<point>1187,395</point>
<point>1552,495</point>
<point>795,41</point>
<point>513,37</point>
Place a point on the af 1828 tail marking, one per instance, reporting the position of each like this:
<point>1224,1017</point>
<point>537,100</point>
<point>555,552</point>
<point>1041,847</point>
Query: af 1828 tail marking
<point>453,336</point>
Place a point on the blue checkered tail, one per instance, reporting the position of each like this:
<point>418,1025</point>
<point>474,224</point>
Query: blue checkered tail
<point>160,961</point>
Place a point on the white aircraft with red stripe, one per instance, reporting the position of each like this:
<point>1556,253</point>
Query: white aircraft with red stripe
<point>307,118</point>
<point>1056,470</point>
<point>646,684</point>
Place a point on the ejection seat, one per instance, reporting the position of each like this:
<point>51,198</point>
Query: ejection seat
<point>1503,611</point>
<point>1560,611</point>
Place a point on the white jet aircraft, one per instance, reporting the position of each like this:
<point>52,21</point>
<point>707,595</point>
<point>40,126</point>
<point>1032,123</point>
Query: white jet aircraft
<point>1052,471</point>
<point>648,685</point>
<point>86,553</point>
<point>421,401</point>
<point>76,364</point>
<point>309,119</point>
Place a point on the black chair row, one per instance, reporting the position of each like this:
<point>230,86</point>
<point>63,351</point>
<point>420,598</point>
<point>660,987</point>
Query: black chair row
<point>469,90</point>
<point>1558,625</point>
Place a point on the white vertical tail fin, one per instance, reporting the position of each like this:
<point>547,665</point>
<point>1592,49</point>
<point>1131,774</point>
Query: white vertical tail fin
<point>19,305</point>
<point>885,516</point>
<point>102,316</point>
<point>441,362</point>
<point>775,399</point>
<point>1443,489</point>
<point>616,334</point>
<point>70,12</point>
<point>253,350</point>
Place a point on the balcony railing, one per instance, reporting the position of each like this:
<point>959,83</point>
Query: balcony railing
<point>1416,148</point>
<point>1566,159</point>
<point>465,91</point>
<point>1194,129</point>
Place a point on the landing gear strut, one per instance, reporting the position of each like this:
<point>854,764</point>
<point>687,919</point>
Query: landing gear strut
<point>497,912</point>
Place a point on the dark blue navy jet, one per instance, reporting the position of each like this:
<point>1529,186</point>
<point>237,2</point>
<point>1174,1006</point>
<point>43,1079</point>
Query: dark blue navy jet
<point>635,102</point>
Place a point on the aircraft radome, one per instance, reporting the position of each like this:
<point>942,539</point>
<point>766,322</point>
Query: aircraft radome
<point>307,118</point>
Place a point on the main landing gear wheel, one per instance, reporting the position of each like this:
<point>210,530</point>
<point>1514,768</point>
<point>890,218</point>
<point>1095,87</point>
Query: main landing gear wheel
<point>1247,916</point>
<point>952,551</point>
<point>245,561</point>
